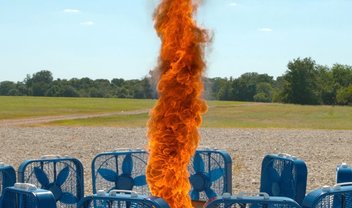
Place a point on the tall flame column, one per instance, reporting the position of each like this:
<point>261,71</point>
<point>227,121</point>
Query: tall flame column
<point>173,134</point>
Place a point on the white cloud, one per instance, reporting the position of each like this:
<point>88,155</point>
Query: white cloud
<point>72,11</point>
<point>87,23</point>
<point>233,4</point>
<point>265,29</point>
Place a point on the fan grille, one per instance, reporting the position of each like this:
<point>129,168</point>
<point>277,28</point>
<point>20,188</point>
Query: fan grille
<point>114,162</point>
<point>52,169</point>
<point>101,203</point>
<point>212,160</point>
<point>288,180</point>
<point>284,175</point>
<point>252,201</point>
<point>250,205</point>
<point>23,200</point>
<point>335,200</point>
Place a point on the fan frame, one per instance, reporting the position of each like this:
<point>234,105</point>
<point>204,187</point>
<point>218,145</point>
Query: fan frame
<point>8,175</point>
<point>79,171</point>
<point>227,166</point>
<point>343,173</point>
<point>316,196</point>
<point>301,174</point>
<point>154,202</point>
<point>116,153</point>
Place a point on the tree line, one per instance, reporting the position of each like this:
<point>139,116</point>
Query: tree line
<point>304,82</point>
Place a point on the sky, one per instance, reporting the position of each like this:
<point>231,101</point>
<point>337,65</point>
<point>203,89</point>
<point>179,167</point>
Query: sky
<point>109,39</point>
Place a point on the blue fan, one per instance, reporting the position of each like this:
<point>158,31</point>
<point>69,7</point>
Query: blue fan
<point>7,177</point>
<point>123,181</point>
<point>55,186</point>
<point>63,176</point>
<point>284,175</point>
<point>25,195</point>
<point>121,199</point>
<point>205,176</point>
<point>282,183</point>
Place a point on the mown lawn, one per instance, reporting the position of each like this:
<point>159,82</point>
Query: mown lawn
<point>221,114</point>
<point>256,115</point>
<point>25,107</point>
<point>244,115</point>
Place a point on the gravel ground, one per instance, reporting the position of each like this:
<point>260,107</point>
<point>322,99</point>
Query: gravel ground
<point>321,149</point>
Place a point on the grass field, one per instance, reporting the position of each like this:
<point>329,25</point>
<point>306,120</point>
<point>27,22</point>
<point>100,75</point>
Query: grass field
<point>220,114</point>
<point>26,107</point>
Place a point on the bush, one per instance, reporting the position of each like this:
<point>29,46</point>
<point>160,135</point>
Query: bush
<point>262,97</point>
<point>344,96</point>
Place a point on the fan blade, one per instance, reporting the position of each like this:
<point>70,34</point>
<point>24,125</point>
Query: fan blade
<point>108,174</point>
<point>140,180</point>
<point>210,193</point>
<point>274,180</point>
<point>194,195</point>
<point>287,186</point>
<point>273,174</point>
<point>216,174</point>
<point>63,175</point>
<point>198,163</point>
<point>41,177</point>
<point>193,179</point>
<point>68,198</point>
<point>127,165</point>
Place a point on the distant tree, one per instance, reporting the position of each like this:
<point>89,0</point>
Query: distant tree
<point>301,85</point>
<point>264,92</point>
<point>69,91</point>
<point>216,84</point>
<point>342,75</point>
<point>117,82</point>
<point>122,92</point>
<point>244,87</point>
<point>104,87</point>
<point>22,89</point>
<point>40,82</point>
<point>54,91</point>
<point>14,92</point>
<point>325,85</point>
<point>344,95</point>
<point>225,91</point>
<point>85,83</point>
<point>278,89</point>
<point>43,76</point>
<point>95,92</point>
<point>6,87</point>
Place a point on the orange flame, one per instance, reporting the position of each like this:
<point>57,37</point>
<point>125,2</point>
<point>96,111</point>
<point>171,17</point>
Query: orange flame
<point>173,134</point>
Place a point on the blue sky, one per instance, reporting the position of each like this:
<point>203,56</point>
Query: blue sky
<point>116,39</point>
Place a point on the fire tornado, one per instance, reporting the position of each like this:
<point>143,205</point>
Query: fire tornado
<point>172,132</point>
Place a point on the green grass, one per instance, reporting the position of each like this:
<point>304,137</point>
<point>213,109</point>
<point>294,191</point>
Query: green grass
<point>135,120</point>
<point>278,116</point>
<point>220,114</point>
<point>25,107</point>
